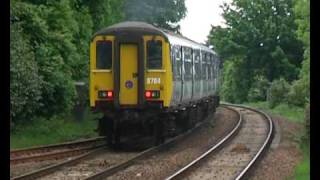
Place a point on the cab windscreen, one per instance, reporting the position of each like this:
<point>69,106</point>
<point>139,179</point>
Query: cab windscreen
<point>154,54</point>
<point>104,55</point>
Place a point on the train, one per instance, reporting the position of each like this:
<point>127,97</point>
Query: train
<point>149,81</point>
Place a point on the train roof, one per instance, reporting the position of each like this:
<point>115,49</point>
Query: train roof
<point>173,38</point>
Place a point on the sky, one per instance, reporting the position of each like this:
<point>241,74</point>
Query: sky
<point>200,15</point>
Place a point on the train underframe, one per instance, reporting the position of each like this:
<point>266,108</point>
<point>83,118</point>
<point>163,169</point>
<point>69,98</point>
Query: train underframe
<point>159,123</point>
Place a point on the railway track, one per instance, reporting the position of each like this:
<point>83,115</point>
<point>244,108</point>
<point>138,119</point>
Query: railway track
<point>55,151</point>
<point>234,155</point>
<point>99,158</point>
<point>230,158</point>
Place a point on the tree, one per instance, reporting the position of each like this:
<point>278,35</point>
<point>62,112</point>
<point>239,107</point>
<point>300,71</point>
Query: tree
<point>162,13</point>
<point>104,12</point>
<point>25,83</point>
<point>300,91</point>
<point>263,34</point>
<point>49,48</point>
<point>236,85</point>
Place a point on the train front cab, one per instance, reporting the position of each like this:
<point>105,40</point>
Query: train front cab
<point>117,67</point>
<point>130,81</point>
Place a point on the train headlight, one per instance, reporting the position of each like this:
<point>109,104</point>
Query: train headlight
<point>148,94</point>
<point>110,94</point>
<point>105,94</point>
<point>152,94</point>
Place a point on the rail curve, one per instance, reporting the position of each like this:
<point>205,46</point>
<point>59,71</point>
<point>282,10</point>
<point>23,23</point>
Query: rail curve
<point>218,152</point>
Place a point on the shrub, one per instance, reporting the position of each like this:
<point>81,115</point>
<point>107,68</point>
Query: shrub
<point>277,92</point>
<point>297,95</point>
<point>258,90</point>
<point>236,81</point>
<point>307,120</point>
<point>25,82</point>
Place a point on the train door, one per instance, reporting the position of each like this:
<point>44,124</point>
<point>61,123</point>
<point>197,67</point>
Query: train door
<point>128,94</point>
<point>177,74</point>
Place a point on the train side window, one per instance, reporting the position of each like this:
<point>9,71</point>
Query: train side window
<point>204,66</point>
<point>187,63</point>
<point>103,55</point>
<point>197,65</point>
<point>177,59</point>
<point>154,54</point>
<point>213,66</point>
<point>209,66</point>
<point>173,62</point>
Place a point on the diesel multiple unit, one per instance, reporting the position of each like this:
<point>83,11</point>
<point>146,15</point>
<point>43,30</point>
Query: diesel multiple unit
<point>150,81</point>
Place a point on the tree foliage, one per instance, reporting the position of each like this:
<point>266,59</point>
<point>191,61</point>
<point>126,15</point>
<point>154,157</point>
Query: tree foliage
<point>49,47</point>
<point>300,91</point>
<point>105,12</point>
<point>278,92</point>
<point>25,92</point>
<point>258,90</point>
<point>162,13</point>
<point>232,75</point>
<point>263,34</point>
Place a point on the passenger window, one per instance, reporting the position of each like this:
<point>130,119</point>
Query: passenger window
<point>204,66</point>
<point>188,63</point>
<point>178,61</point>
<point>209,66</point>
<point>103,55</point>
<point>197,65</point>
<point>213,66</point>
<point>154,54</point>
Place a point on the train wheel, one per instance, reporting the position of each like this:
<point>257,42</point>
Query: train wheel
<point>199,113</point>
<point>110,131</point>
<point>189,118</point>
<point>158,128</point>
<point>102,126</point>
<point>184,119</point>
<point>116,135</point>
<point>203,111</point>
<point>193,115</point>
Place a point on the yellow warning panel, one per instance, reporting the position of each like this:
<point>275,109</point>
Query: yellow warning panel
<point>128,74</point>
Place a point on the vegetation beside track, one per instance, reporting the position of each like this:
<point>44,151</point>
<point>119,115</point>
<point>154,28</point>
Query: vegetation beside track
<point>293,114</point>
<point>49,42</point>
<point>302,171</point>
<point>54,130</point>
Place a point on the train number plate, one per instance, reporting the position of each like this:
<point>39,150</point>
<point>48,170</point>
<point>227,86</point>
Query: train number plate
<point>153,81</point>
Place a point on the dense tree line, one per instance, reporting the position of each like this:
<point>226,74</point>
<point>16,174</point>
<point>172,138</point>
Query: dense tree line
<point>49,47</point>
<point>266,51</point>
<point>162,13</point>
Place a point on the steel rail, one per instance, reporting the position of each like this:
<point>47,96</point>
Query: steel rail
<point>215,147</point>
<point>40,149</point>
<point>47,170</point>
<point>114,169</point>
<point>53,155</point>
<point>268,140</point>
<point>244,172</point>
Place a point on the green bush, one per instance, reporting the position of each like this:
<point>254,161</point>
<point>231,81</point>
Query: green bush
<point>297,94</point>
<point>236,81</point>
<point>25,83</point>
<point>258,90</point>
<point>307,120</point>
<point>278,92</point>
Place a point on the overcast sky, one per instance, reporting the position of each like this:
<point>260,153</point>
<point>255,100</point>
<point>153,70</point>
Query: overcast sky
<point>200,15</point>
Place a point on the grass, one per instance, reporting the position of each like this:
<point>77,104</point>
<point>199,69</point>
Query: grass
<point>302,171</point>
<point>55,130</point>
<point>294,114</point>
